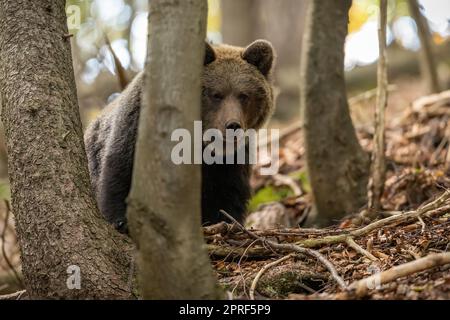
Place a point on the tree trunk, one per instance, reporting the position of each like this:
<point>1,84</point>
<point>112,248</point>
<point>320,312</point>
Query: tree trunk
<point>427,62</point>
<point>337,165</point>
<point>67,249</point>
<point>164,204</point>
<point>239,19</point>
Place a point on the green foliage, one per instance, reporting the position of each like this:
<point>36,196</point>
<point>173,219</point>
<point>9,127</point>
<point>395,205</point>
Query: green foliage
<point>272,193</point>
<point>302,178</point>
<point>268,194</point>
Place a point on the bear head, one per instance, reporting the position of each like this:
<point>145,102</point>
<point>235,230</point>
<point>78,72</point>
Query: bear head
<point>237,88</point>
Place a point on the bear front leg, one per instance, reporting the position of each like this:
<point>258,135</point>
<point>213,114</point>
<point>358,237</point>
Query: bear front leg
<point>115,184</point>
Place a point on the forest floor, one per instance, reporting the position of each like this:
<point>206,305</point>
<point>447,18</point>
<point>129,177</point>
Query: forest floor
<point>278,259</point>
<point>411,226</point>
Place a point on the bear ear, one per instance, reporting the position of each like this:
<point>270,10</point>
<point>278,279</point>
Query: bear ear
<point>260,54</point>
<point>210,55</point>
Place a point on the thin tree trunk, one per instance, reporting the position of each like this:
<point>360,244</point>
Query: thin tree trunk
<point>337,165</point>
<point>427,61</point>
<point>378,166</point>
<point>61,234</point>
<point>164,204</point>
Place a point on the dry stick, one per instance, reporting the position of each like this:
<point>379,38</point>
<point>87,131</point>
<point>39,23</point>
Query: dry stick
<point>295,248</point>
<point>428,262</point>
<point>5,256</point>
<point>437,206</point>
<point>369,95</point>
<point>378,167</point>
<point>264,269</point>
<point>427,64</point>
<point>352,244</point>
<point>121,73</point>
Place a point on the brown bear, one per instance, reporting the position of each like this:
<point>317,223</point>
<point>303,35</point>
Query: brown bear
<point>237,94</point>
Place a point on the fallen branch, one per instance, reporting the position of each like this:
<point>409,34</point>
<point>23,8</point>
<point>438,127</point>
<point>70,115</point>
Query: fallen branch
<point>439,99</point>
<point>433,260</point>
<point>436,207</point>
<point>293,248</point>
<point>439,205</point>
<point>218,228</point>
<point>264,269</point>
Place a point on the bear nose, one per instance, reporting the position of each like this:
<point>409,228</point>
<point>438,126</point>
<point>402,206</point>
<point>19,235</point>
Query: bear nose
<point>233,125</point>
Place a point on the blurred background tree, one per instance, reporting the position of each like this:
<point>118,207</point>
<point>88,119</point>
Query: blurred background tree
<point>238,22</point>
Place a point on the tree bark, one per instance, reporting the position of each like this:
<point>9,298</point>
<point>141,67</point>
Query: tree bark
<point>164,208</point>
<point>337,165</point>
<point>59,228</point>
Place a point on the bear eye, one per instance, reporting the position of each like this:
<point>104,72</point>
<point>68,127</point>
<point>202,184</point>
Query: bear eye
<point>217,96</point>
<point>243,98</point>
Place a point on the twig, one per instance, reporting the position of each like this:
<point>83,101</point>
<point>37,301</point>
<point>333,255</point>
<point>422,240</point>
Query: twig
<point>218,228</point>
<point>369,95</point>
<point>293,247</point>
<point>378,167</point>
<point>121,73</point>
<point>239,266</point>
<point>3,237</point>
<point>264,269</point>
<point>422,223</point>
<point>352,244</point>
<point>428,262</point>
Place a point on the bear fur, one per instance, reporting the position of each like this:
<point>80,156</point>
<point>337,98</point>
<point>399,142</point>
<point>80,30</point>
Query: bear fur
<point>237,89</point>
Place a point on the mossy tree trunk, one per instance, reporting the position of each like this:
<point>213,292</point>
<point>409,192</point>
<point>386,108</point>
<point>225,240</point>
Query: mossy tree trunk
<point>164,208</point>
<point>67,249</point>
<point>337,165</point>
